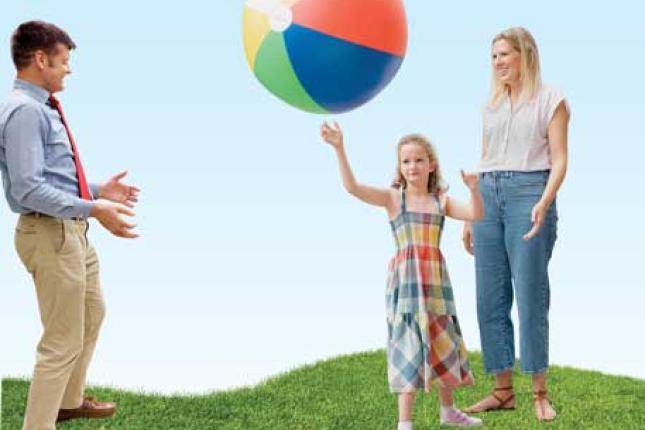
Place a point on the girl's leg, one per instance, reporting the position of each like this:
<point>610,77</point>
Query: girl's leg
<point>449,415</point>
<point>406,403</point>
<point>445,396</point>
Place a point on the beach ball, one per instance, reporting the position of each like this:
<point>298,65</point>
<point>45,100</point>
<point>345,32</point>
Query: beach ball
<point>324,56</point>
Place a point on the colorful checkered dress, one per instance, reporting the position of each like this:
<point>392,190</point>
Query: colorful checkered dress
<point>424,338</point>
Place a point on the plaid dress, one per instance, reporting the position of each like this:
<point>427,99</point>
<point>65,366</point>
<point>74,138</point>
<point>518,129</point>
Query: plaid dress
<point>424,338</point>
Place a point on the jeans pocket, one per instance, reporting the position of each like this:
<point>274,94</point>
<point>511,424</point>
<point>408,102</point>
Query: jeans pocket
<point>527,191</point>
<point>533,184</point>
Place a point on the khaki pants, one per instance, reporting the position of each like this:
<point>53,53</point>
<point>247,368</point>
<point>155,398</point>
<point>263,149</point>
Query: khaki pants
<point>65,270</point>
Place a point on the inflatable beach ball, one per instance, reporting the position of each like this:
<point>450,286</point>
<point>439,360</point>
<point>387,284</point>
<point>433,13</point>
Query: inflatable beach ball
<point>325,56</point>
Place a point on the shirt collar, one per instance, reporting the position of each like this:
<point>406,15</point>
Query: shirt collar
<point>506,101</point>
<point>32,90</point>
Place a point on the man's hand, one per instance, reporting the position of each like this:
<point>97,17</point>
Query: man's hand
<point>118,192</point>
<point>108,214</point>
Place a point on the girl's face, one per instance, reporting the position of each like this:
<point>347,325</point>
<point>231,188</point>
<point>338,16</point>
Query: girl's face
<point>415,165</point>
<point>506,62</point>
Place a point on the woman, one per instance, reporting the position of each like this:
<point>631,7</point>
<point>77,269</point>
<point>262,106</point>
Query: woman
<point>523,164</point>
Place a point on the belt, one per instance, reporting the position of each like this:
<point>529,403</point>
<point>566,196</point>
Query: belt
<point>511,173</point>
<point>42,215</point>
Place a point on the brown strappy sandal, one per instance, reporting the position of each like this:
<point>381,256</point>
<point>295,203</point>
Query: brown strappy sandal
<point>538,397</point>
<point>502,404</point>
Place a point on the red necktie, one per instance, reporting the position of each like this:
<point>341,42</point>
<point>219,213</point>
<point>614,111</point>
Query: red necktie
<point>83,188</point>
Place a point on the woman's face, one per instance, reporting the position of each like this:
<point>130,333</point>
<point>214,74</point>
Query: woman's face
<point>506,62</point>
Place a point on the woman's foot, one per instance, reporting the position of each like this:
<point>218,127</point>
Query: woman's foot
<point>454,417</point>
<point>502,398</point>
<point>543,409</point>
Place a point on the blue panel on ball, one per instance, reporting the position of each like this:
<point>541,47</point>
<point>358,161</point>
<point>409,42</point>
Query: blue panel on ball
<point>337,74</point>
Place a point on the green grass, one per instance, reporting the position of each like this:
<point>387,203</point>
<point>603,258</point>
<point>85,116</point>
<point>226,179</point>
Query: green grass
<point>350,393</point>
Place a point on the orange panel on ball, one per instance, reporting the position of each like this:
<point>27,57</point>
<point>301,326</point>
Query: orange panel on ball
<point>377,24</point>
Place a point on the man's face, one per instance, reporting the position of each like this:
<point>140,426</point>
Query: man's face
<point>55,68</point>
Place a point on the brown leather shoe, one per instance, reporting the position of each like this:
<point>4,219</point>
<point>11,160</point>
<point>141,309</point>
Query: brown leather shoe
<point>89,409</point>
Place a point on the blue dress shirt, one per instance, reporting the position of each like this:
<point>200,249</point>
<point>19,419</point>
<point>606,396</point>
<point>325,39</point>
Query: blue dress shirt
<point>36,160</point>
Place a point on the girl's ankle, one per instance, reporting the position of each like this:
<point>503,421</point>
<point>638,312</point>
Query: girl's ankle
<point>405,425</point>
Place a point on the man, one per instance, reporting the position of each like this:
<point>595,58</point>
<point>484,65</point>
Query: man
<point>45,183</point>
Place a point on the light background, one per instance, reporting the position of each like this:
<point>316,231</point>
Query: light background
<point>252,258</point>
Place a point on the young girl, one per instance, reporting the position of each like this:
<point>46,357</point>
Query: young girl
<point>424,338</point>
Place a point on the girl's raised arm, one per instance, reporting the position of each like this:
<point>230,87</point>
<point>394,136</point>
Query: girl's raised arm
<point>333,135</point>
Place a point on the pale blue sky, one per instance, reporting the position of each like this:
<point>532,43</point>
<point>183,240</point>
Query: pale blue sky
<point>252,258</point>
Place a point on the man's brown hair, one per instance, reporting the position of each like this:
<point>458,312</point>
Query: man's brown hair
<point>31,36</point>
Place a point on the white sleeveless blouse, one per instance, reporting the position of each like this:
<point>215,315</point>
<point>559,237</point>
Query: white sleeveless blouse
<point>516,139</point>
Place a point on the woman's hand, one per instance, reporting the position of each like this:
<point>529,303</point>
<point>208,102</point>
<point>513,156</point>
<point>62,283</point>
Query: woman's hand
<point>538,214</point>
<point>332,135</point>
<point>467,237</point>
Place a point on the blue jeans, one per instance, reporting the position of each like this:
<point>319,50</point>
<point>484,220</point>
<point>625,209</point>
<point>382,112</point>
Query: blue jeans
<point>506,263</point>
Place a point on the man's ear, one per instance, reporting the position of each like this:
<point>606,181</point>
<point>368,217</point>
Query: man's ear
<point>41,59</point>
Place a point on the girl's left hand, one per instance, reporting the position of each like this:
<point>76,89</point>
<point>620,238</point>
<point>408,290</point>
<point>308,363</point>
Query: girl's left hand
<point>470,179</point>
<point>538,214</point>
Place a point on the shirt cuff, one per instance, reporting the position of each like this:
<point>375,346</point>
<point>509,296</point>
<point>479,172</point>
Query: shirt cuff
<point>83,208</point>
<point>94,189</point>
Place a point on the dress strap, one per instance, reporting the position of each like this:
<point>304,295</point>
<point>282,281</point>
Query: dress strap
<point>438,202</point>
<point>402,200</point>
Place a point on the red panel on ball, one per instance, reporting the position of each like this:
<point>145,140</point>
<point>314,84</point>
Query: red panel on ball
<point>376,24</point>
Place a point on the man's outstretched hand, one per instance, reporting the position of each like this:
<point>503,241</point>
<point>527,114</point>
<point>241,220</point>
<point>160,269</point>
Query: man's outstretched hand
<point>116,191</point>
<point>109,215</point>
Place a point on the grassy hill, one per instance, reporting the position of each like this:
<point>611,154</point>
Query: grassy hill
<point>350,392</point>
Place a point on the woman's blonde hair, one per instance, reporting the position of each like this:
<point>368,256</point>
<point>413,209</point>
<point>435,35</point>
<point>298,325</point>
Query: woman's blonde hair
<point>436,184</point>
<point>524,43</point>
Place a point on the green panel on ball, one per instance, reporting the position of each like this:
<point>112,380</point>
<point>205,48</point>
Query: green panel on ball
<point>273,69</point>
